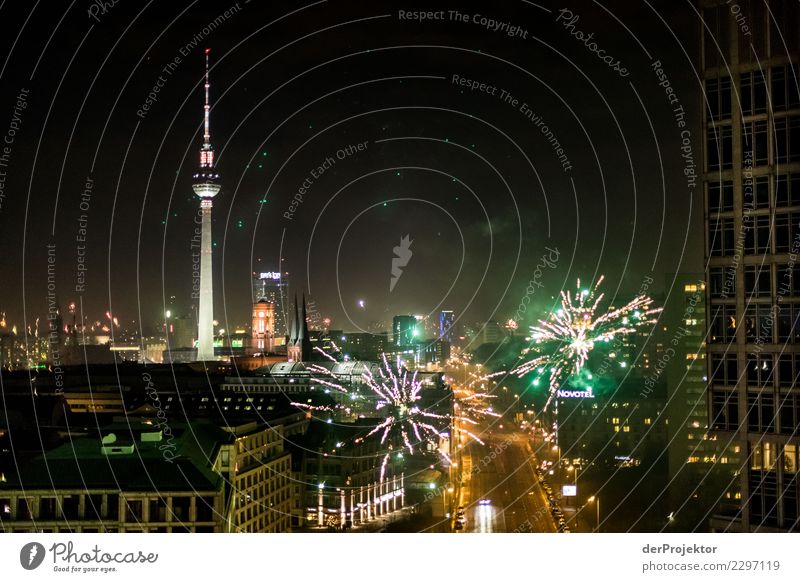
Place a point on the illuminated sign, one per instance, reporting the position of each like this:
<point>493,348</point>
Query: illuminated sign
<point>270,275</point>
<point>575,393</point>
<point>569,490</point>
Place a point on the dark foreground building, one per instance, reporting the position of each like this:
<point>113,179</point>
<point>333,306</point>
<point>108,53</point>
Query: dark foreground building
<point>751,176</point>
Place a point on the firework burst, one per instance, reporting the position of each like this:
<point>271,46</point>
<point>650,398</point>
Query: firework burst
<point>398,397</point>
<point>563,341</point>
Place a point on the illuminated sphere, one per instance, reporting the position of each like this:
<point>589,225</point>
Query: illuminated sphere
<point>206,184</point>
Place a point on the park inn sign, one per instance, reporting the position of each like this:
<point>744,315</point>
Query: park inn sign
<point>575,393</point>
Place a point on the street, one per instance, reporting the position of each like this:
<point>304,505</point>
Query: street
<point>499,489</point>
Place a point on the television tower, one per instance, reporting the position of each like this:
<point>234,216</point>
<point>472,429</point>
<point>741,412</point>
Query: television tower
<point>206,185</point>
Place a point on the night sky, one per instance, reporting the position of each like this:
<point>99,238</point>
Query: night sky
<point>467,174</point>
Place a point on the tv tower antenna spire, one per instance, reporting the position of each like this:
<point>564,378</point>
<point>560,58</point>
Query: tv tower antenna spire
<point>206,185</point>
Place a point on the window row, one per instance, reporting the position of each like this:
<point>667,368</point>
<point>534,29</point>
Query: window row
<point>759,234</point>
<point>753,94</point>
<point>763,370</point>
<point>767,412</point>
<point>755,144</point>
<point>763,324</point>
<point>758,281</point>
<point>764,456</point>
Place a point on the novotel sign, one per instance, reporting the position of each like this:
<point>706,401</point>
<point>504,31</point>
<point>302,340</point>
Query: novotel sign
<point>270,276</point>
<point>575,393</point>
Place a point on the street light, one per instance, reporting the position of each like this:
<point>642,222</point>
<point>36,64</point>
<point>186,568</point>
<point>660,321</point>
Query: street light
<point>597,506</point>
<point>320,520</point>
<point>446,506</point>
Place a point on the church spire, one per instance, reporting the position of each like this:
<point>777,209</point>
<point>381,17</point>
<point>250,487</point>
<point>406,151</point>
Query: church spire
<point>304,321</point>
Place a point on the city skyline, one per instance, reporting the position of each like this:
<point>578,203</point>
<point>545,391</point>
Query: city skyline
<point>516,267</point>
<point>264,177</point>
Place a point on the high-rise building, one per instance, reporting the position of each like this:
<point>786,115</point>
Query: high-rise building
<point>447,322</point>
<point>701,466</point>
<point>362,345</point>
<point>273,286</point>
<point>404,330</point>
<point>751,130</point>
<point>206,185</point>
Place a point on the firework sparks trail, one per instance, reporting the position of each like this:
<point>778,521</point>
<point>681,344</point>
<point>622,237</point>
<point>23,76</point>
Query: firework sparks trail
<point>563,341</point>
<point>325,354</point>
<point>324,377</point>
<point>398,395</point>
